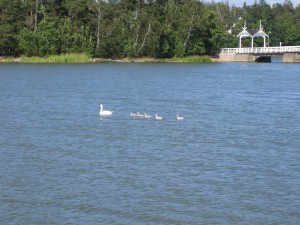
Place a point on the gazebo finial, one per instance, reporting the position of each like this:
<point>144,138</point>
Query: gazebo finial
<point>260,27</point>
<point>244,28</point>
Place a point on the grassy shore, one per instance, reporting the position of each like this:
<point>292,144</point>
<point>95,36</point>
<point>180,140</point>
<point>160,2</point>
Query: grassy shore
<point>65,58</point>
<point>84,58</point>
<point>7,59</point>
<point>192,59</point>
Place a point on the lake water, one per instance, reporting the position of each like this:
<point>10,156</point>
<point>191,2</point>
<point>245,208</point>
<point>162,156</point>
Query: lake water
<point>235,159</point>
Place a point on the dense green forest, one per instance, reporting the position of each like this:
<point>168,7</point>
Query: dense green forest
<point>138,28</point>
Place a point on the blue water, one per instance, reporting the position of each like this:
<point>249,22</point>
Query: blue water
<point>235,159</point>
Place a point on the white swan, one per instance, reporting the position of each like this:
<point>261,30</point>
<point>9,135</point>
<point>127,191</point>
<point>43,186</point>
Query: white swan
<point>158,117</point>
<point>179,117</point>
<point>140,115</point>
<point>147,116</point>
<point>133,114</point>
<point>104,112</point>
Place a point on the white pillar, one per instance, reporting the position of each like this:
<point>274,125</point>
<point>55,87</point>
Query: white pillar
<point>251,42</point>
<point>240,45</point>
<point>264,42</point>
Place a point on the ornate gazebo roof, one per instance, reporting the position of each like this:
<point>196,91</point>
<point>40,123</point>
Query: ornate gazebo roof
<point>252,33</point>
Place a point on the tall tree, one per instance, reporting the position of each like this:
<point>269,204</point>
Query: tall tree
<point>11,22</point>
<point>137,28</point>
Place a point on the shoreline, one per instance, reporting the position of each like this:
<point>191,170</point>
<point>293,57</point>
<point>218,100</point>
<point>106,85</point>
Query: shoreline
<point>191,59</point>
<point>154,60</point>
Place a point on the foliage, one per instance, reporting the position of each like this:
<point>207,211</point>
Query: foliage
<point>11,17</point>
<point>138,28</point>
<point>7,59</point>
<point>193,59</point>
<point>66,58</point>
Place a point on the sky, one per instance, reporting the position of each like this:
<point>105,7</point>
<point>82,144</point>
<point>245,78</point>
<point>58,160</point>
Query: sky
<point>250,2</point>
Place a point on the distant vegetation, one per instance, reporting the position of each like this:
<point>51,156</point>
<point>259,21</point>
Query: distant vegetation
<point>65,58</point>
<point>8,59</point>
<point>136,28</point>
<point>193,59</point>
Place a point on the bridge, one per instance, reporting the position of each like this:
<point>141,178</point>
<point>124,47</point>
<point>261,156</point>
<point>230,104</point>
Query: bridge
<point>260,54</point>
<point>263,50</point>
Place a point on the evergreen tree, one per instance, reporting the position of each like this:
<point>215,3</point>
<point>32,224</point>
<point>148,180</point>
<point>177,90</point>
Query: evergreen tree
<point>138,28</point>
<point>11,22</point>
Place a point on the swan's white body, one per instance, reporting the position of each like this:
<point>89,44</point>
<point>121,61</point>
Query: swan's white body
<point>179,117</point>
<point>140,115</point>
<point>104,112</point>
<point>133,114</point>
<point>158,117</point>
<point>147,116</point>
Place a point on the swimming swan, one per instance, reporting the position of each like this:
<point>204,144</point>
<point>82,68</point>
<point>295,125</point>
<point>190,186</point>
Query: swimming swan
<point>104,112</point>
<point>140,115</point>
<point>179,117</point>
<point>133,114</point>
<point>158,117</point>
<point>147,116</point>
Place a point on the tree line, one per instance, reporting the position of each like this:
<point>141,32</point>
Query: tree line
<point>138,28</point>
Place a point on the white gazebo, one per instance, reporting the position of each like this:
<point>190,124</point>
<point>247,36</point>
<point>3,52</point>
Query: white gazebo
<point>252,33</point>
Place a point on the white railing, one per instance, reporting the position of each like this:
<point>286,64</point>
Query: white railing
<point>263,50</point>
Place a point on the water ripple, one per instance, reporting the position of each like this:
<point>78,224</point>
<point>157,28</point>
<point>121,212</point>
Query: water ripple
<point>233,160</point>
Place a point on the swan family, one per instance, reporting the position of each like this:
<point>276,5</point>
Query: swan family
<point>103,112</point>
<point>145,115</point>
